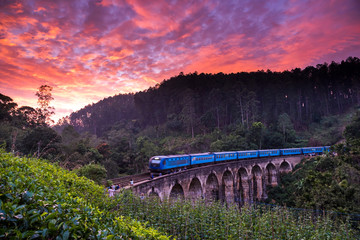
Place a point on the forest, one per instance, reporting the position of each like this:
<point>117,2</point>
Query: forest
<point>189,113</point>
<point>330,182</point>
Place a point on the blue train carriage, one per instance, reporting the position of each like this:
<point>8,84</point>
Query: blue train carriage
<point>247,154</point>
<point>165,164</point>
<point>225,156</point>
<point>269,153</point>
<point>312,151</point>
<point>290,151</point>
<point>201,158</point>
<point>326,149</point>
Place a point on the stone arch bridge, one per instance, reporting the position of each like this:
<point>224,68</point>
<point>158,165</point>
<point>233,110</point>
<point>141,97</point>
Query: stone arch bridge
<point>241,181</point>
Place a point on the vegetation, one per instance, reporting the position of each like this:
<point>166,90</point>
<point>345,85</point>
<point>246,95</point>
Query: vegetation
<point>41,201</point>
<point>94,172</point>
<point>200,103</point>
<point>326,182</point>
<point>201,220</point>
<point>220,112</point>
<point>188,114</point>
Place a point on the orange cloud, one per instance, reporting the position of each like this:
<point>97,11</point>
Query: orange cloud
<point>88,50</point>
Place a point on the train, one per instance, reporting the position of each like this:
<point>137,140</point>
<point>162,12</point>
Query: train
<point>167,164</point>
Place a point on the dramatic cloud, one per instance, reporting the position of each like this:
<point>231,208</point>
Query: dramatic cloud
<point>91,49</point>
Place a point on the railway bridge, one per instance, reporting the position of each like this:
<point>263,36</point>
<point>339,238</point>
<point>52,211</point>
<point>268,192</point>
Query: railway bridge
<point>241,181</point>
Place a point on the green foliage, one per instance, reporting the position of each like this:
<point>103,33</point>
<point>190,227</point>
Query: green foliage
<point>286,127</point>
<point>256,134</point>
<point>327,131</point>
<point>325,182</point>
<point>352,133</point>
<point>95,172</point>
<point>321,183</point>
<point>42,201</point>
<point>42,141</point>
<point>201,220</point>
<point>5,133</point>
<point>7,105</point>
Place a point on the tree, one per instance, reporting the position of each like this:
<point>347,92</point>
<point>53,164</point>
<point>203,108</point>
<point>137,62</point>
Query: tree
<point>45,110</point>
<point>352,133</point>
<point>285,126</point>
<point>26,117</point>
<point>188,111</point>
<point>7,106</point>
<point>42,142</point>
<point>256,133</point>
<point>95,172</point>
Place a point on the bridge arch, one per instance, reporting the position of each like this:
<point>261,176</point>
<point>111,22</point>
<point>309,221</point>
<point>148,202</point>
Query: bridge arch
<point>212,188</point>
<point>227,187</point>
<point>285,167</point>
<point>270,174</point>
<point>257,183</point>
<point>195,189</point>
<point>176,192</point>
<point>154,193</point>
<point>243,190</point>
<point>249,178</point>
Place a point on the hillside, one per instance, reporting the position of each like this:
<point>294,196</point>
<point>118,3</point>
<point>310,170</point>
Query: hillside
<point>39,200</point>
<point>218,112</point>
<point>328,182</point>
<point>200,103</point>
<point>192,113</point>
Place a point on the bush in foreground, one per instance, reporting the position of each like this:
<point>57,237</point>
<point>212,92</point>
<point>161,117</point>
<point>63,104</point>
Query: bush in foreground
<point>201,220</point>
<point>42,201</point>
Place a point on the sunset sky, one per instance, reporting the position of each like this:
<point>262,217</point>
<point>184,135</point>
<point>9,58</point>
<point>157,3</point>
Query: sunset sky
<point>87,50</point>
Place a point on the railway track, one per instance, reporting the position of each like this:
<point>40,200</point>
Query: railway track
<point>125,181</point>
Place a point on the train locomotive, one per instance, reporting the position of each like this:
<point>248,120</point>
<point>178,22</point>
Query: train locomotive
<point>171,163</point>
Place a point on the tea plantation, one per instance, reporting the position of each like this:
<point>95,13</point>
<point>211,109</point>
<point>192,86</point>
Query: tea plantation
<point>39,200</point>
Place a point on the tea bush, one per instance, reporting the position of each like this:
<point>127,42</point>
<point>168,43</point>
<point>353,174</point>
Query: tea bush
<point>202,220</point>
<point>39,200</point>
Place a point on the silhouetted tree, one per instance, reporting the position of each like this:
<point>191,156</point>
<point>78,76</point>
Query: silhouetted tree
<point>45,110</point>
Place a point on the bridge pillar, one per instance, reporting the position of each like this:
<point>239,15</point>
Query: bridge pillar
<point>257,183</point>
<point>271,175</point>
<point>195,190</point>
<point>227,187</point>
<point>245,180</point>
<point>212,188</point>
<point>244,186</point>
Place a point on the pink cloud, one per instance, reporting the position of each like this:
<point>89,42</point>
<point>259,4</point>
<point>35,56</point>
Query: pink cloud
<point>91,49</point>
